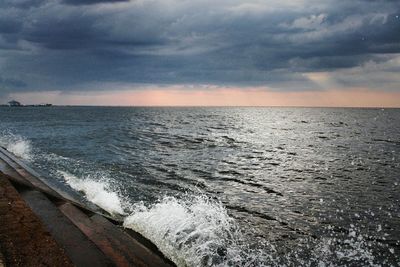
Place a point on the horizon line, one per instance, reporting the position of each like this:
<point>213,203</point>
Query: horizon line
<point>202,106</point>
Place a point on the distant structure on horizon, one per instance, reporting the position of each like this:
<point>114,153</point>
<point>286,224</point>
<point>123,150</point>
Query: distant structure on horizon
<point>14,103</point>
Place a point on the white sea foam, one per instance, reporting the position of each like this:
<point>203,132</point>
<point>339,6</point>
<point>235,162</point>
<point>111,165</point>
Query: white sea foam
<point>18,145</point>
<point>97,192</point>
<point>193,231</point>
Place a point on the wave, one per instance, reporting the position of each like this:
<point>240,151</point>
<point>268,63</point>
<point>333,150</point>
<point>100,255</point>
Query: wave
<point>97,192</point>
<point>192,231</point>
<point>195,230</point>
<point>18,145</point>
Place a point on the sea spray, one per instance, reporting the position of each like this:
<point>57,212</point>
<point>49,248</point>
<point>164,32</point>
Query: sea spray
<point>191,231</point>
<point>97,192</point>
<point>17,145</point>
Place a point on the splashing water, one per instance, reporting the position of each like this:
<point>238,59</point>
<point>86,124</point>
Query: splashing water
<point>193,231</point>
<point>18,145</point>
<point>96,192</point>
<point>347,248</point>
<point>198,231</point>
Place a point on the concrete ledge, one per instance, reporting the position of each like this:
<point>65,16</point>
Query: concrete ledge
<point>40,227</point>
<point>24,240</point>
<point>2,264</point>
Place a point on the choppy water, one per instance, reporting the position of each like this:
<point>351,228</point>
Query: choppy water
<point>230,186</point>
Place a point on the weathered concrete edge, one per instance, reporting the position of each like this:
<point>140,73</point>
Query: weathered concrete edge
<point>24,240</point>
<point>144,241</point>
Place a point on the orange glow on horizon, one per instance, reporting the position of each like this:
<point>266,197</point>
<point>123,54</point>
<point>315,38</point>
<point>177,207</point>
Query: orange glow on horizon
<point>217,97</point>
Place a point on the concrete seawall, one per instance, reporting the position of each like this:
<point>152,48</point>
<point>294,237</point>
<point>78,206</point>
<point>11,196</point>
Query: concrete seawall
<point>44,227</point>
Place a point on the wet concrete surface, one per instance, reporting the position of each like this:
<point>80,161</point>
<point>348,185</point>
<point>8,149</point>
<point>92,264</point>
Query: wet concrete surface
<point>24,241</point>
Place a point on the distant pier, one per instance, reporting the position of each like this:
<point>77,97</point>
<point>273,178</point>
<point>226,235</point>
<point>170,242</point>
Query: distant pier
<point>14,103</point>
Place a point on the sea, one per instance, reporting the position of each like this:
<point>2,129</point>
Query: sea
<point>229,186</point>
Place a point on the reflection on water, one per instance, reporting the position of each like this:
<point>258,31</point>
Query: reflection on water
<point>299,186</point>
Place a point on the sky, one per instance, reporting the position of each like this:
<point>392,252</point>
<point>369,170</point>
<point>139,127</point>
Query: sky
<point>201,52</point>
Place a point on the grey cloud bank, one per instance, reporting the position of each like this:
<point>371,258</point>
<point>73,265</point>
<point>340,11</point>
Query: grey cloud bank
<point>71,44</point>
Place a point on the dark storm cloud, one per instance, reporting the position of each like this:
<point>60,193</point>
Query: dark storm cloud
<point>62,44</point>
<point>21,4</point>
<point>10,82</point>
<point>8,85</point>
<point>91,2</point>
<point>9,26</point>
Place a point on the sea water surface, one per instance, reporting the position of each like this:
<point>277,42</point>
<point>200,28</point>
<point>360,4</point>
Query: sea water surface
<point>229,186</point>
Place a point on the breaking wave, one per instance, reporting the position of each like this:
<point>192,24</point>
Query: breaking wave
<point>189,230</point>
<point>192,231</point>
<point>97,192</point>
<point>18,145</point>
<point>196,230</point>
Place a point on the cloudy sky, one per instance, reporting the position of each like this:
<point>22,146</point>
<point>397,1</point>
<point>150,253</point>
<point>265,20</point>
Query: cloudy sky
<point>201,52</point>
